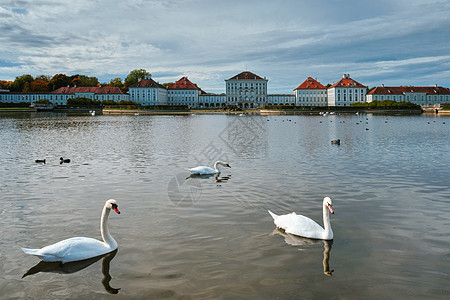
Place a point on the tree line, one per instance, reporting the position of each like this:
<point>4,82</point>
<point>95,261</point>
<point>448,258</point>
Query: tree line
<point>87,102</point>
<point>386,104</point>
<point>46,83</point>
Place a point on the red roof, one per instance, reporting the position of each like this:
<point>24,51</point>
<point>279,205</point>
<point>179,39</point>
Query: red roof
<point>400,90</point>
<point>310,84</point>
<point>83,89</point>
<point>183,84</point>
<point>346,81</point>
<point>246,75</point>
<point>147,83</point>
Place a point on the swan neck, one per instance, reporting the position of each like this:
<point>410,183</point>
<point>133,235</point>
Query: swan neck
<point>216,166</point>
<point>106,236</point>
<point>326,219</point>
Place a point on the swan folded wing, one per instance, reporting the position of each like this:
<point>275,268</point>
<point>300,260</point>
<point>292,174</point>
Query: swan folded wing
<point>73,249</point>
<point>202,170</point>
<point>300,225</point>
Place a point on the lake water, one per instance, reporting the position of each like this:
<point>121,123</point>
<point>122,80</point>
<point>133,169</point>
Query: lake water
<point>209,238</point>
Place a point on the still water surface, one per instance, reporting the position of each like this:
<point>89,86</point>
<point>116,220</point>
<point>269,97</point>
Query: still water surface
<point>208,238</point>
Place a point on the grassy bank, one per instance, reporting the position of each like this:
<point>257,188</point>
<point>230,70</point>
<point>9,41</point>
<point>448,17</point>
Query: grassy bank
<point>17,109</point>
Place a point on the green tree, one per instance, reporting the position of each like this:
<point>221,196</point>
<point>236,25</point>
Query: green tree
<point>109,102</point>
<point>87,81</point>
<point>43,101</point>
<point>44,77</point>
<point>117,82</point>
<point>83,102</point>
<point>134,77</point>
<point>22,83</point>
<point>386,104</point>
<point>57,81</point>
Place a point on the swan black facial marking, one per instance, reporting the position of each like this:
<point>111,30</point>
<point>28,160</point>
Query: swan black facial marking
<point>115,208</point>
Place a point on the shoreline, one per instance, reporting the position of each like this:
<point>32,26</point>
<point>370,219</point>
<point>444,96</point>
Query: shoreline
<point>174,112</point>
<point>262,112</point>
<point>365,111</point>
<point>18,110</point>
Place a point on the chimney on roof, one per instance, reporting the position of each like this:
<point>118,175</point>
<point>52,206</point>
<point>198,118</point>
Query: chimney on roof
<point>382,84</point>
<point>435,85</point>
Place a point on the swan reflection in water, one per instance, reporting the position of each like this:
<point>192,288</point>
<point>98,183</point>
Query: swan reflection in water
<point>73,267</point>
<point>217,178</point>
<point>301,241</point>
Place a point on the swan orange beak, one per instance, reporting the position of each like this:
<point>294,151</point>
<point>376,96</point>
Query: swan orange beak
<point>115,208</point>
<point>331,208</point>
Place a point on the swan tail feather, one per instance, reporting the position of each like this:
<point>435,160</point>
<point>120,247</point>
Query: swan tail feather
<point>31,251</point>
<point>274,216</point>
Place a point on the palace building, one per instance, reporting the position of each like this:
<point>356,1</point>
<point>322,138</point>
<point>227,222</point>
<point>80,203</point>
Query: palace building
<point>246,90</point>
<point>422,95</point>
<point>311,93</point>
<point>184,92</point>
<point>148,92</point>
<point>60,96</point>
<point>345,92</point>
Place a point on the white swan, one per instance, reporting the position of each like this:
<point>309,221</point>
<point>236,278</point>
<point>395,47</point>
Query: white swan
<point>79,248</point>
<point>304,226</point>
<point>202,170</point>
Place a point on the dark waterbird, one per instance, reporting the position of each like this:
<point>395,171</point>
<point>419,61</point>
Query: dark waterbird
<point>336,142</point>
<point>39,161</point>
<point>64,160</point>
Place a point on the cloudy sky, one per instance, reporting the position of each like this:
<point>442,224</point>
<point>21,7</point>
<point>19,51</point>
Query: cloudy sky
<point>391,42</point>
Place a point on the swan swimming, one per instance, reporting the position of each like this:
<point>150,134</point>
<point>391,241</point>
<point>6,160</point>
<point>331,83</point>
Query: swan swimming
<point>80,248</point>
<point>202,170</point>
<point>303,226</point>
